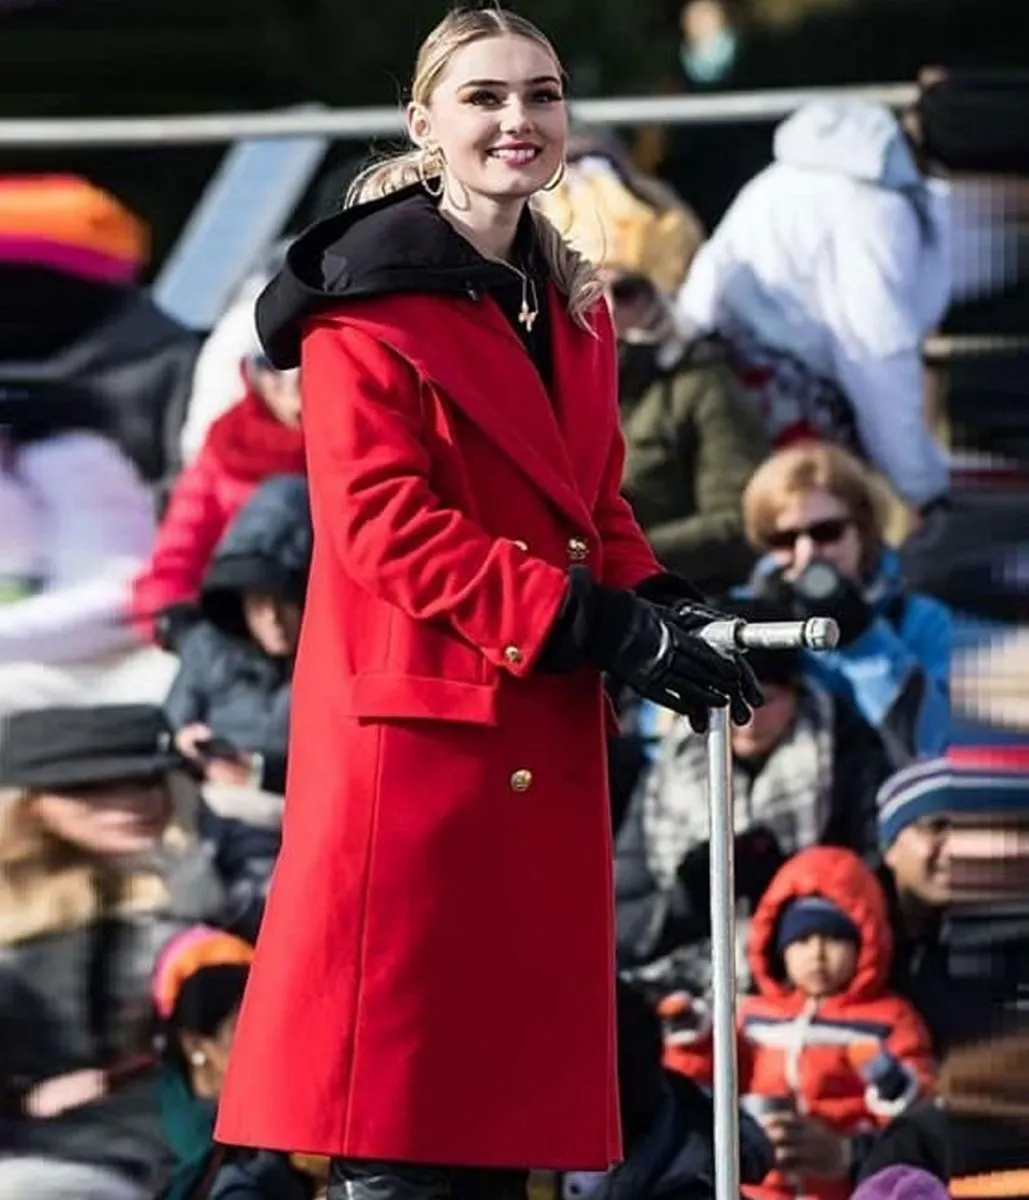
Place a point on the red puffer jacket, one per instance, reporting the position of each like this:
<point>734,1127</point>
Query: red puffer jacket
<point>244,447</point>
<point>817,1053</point>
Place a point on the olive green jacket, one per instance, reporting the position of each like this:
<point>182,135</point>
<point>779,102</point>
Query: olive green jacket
<point>692,443</point>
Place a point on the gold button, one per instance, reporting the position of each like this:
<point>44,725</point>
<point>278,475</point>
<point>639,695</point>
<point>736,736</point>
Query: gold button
<point>578,550</point>
<point>513,655</point>
<point>521,781</point>
<point>521,545</point>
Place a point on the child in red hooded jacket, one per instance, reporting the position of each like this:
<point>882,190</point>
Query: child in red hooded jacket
<point>825,1051</point>
<point>256,438</point>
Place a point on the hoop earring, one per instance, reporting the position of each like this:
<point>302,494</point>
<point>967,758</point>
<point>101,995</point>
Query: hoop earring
<point>553,184</point>
<point>432,155</point>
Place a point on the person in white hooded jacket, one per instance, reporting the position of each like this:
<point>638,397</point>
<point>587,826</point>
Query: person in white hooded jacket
<point>825,276</point>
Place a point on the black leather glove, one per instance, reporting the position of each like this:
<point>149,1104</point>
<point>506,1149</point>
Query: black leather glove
<point>650,649</point>
<point>669,591</point>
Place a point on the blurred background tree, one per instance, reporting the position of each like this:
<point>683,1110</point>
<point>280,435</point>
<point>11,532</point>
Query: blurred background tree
<point>129,57</point>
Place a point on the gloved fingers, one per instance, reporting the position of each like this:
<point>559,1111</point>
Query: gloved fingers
<point>750,687</point>
<point>739,710</point>
<point>705,665</point>
<point>684,695</point>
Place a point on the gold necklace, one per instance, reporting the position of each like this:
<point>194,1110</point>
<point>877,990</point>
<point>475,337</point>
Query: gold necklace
<point>527,313</point>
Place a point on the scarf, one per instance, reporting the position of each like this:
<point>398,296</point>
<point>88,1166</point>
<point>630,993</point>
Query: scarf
<point>252,444</point>
<point>188,1126</point>
<point>791,794</point>
<point>795,404</point>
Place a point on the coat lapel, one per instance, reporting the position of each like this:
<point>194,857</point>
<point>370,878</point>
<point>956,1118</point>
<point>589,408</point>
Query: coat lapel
<point>468,350</point>
<point>585,387</point>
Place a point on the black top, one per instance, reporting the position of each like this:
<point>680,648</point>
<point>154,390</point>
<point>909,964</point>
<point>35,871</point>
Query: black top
<point>399,244</point>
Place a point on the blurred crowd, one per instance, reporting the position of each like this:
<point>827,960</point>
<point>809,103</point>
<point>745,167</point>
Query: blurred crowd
<point>787,451</point>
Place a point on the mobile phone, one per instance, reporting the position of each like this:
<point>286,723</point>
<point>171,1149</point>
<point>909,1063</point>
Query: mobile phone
<point>217,747</point>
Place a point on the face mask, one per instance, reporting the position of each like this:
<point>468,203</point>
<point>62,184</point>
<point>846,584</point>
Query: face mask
<point>710,60</point>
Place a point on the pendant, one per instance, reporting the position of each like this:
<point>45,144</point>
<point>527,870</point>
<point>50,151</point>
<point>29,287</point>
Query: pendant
<point>527,317</point>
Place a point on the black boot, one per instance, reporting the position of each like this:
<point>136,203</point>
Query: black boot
<point>352,1179</point>
<point>485,1184</point>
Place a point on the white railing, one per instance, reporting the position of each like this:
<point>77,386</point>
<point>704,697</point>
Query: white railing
<point>360,123</point>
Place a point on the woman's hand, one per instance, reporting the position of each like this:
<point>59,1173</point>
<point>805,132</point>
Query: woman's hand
<point>804,1145</point>
<point>188,738</point>
<point>237,772</point>
<point>56,1096</point>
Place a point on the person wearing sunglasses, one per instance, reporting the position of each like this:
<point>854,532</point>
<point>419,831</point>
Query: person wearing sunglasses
<point>818,516</point>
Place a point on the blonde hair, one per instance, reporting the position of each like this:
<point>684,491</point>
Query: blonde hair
<point>573,274</point>
<point>811,467</point>
<point>48,886</point>
<point>620,218</point>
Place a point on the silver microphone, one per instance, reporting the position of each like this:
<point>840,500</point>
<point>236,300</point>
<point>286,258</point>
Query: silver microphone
<point>816,633</point>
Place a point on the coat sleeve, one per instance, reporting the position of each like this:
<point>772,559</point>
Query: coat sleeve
<point>186,539</point>
<point>97,528</point>
<point>909,1045</point>
<point>871,300</point>
<point>369,470</point>
<point>187,701</point>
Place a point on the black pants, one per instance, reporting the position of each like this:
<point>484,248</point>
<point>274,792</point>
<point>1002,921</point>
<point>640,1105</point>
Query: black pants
<point>351,1179</point>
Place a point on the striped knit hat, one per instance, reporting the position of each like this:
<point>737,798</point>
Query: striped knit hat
<point>968,785</point>
<point>66,224</point>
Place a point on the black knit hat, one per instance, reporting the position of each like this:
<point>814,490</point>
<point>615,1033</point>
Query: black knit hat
<point>78,747</point>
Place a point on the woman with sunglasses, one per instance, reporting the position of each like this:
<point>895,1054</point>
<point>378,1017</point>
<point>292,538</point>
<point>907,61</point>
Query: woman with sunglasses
<point>818,516</point>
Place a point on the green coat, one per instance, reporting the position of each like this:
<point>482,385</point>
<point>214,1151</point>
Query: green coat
<point>692,443</point>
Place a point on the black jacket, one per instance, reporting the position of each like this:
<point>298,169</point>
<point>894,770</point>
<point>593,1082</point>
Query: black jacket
<point>947,1145</point>
<point>112,341</point>
<point>81,999</point>
<point>225,679</point>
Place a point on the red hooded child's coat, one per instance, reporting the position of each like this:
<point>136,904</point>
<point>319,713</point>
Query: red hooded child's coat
<point>813,1052</point>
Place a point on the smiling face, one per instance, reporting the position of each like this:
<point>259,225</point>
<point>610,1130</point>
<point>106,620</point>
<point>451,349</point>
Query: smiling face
<point>107,820</point>
<point>498,117</point>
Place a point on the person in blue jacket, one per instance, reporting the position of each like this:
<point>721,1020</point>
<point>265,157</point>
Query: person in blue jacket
<point>816,514</point>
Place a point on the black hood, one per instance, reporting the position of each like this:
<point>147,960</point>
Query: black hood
<point>397,244</point>
<point>266,548</point>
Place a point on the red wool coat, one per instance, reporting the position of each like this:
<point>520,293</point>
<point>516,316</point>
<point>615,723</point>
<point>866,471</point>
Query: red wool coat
<point>434,980</point>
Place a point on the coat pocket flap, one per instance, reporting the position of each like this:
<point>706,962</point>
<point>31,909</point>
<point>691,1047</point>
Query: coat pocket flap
<point>387,695</point>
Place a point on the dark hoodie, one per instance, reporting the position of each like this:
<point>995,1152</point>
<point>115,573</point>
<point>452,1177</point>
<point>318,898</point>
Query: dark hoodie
<point>399,244</point>
<point>226,680</point>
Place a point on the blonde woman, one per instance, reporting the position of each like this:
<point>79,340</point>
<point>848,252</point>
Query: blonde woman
<point>445,877</point>
<point>817,516</point>
<point>97,871</point>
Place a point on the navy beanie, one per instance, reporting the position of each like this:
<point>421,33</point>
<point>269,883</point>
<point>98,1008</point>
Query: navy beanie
<point>808,915</point>
<point>941,786</point>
